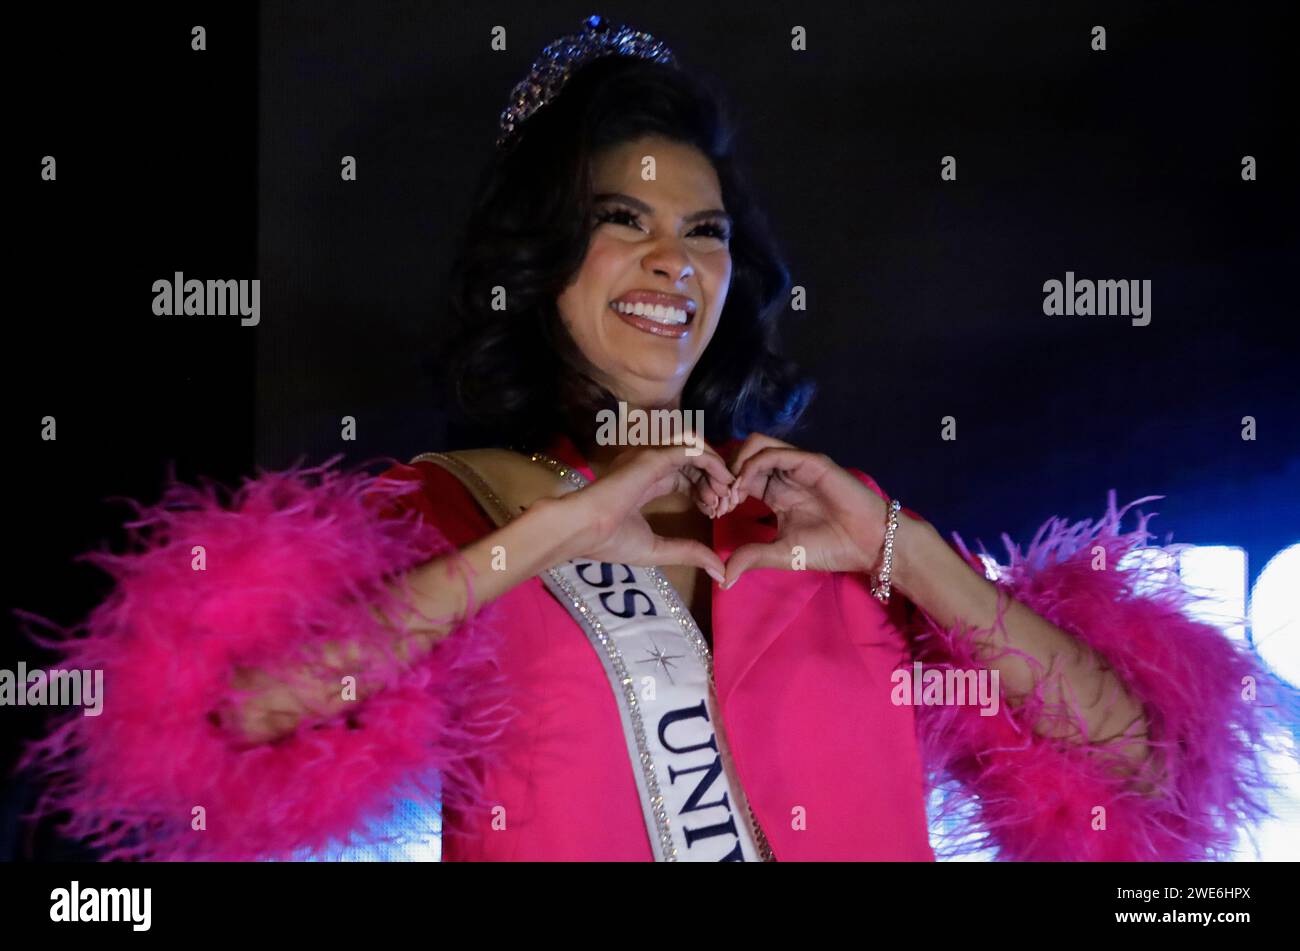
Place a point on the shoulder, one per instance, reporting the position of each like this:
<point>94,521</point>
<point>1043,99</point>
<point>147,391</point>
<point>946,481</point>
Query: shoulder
<point>441,498</point>
<point>441,495</point>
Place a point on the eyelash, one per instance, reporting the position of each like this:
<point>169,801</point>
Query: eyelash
<point>611,214</point>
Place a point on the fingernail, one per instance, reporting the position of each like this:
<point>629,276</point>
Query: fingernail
<point>715,576</point>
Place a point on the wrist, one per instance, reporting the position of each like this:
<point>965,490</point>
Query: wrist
<point>561,523</point>
<point>912,543</point>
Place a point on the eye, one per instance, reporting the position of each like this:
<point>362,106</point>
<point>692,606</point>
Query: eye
<point>618,216</point>
<point>713,229</point>
<point>717,230</point>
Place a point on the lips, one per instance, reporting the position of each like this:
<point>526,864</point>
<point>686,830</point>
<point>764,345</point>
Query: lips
<point>655,311</point>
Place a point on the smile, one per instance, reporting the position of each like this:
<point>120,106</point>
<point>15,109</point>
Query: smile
<point>666,315</point>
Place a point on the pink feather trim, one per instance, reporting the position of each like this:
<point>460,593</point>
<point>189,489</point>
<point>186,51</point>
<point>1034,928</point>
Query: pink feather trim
<point>1033,798</point>
<point>292,561</point>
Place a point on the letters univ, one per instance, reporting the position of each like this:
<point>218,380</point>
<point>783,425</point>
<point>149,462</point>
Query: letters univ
<point>696,804</point>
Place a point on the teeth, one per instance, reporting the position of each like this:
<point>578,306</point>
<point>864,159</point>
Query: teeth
<point>656,312</point>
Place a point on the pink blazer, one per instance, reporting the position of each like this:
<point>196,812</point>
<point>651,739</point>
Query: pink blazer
<point>802,662</point>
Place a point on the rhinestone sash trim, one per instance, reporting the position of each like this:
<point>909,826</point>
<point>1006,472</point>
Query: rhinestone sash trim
<point>659,825</point>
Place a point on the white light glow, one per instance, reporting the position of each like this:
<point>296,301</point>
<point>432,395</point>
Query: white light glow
<point>1219,573</point>
<point>1275,613</point>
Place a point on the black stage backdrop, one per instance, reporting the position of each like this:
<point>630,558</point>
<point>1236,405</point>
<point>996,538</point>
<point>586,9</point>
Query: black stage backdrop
<point>925,296</point>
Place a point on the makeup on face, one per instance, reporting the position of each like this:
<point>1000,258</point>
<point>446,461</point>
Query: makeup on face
<point>648,296</point>
<point>653,311</point>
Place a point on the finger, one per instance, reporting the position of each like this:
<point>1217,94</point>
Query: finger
<point>680,438</point>
<point>720,477</point>
<point>664,470</point>
<point>754,443</point>
<point>687,551</point>
<point>707,499</point>
<point>702,458</point>
<point>733,497</point>
<point>755,555</point>
<point>699,446</point>
<point>693,483</point>
<point>707,461</point>
<point>671,470</point>
<point>795,465</point>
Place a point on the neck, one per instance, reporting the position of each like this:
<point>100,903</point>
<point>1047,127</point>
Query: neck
<point>601,457</point>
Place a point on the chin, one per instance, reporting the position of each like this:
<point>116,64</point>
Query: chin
<point>647,388</point>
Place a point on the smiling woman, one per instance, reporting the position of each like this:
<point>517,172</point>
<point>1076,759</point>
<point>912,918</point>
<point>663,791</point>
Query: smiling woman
<point>624,189</point>
<point>655,266</point>
<point>536,626</point>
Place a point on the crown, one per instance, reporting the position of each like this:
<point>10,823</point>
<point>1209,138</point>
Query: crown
<point>561,58</point>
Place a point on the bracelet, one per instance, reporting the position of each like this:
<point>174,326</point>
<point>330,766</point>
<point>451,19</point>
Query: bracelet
<point>880,588</point>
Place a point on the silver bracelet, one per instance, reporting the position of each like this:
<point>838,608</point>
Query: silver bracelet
<point>880,588</point>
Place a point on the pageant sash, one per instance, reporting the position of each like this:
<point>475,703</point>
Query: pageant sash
<point>661,671</point>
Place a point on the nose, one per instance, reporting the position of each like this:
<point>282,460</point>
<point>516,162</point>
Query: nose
<point>668,259</point>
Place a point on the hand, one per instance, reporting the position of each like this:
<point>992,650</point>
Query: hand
<point>838,521</point>
<point>607,515</point>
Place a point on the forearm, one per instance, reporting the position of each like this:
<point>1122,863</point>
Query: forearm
<point>1120,654</point>
<point>485,570</point>
<point>936,579</point>
<point>296,580</point>
<point>438,594</point>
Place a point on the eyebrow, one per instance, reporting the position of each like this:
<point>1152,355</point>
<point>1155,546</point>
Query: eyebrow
<point>641,206</point>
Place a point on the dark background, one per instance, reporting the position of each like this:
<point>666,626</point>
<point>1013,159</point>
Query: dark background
<point>924,296</point>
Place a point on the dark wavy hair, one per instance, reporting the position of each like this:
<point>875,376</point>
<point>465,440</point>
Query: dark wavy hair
<point>516,373</point>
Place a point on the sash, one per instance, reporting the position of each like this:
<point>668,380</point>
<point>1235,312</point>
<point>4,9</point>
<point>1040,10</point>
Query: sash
<point>661,672</point>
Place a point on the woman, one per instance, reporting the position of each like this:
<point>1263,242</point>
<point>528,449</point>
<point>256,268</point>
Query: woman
<point>484,625</point>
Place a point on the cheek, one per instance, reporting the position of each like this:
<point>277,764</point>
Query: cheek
<point>582,303</point>
<point>595,282</point>
<point>605,261</point>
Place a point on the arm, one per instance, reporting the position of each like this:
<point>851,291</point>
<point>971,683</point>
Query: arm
<point>432,600</point>
<point>296,570</point>
<point>1020,645</point>
<point>1129,731</point>
<point>1054,776</point>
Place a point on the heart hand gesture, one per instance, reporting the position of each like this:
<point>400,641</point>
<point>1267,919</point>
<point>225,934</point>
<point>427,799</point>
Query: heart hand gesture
<point>820,508</point>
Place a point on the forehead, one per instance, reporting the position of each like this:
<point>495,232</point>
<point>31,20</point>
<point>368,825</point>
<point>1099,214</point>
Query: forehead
<point>682,172</point>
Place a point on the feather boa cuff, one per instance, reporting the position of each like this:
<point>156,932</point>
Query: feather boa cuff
<point>294,560</point>
<point>1207,702</point>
